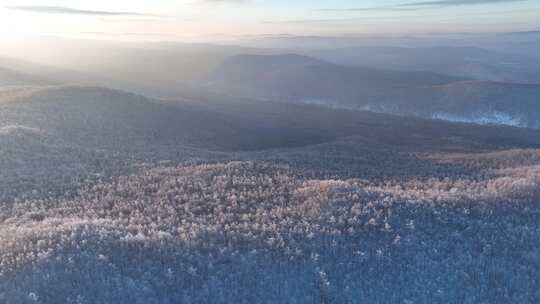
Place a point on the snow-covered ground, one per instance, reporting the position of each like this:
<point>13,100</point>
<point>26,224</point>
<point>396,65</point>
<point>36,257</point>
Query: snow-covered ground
<point>491,118</point>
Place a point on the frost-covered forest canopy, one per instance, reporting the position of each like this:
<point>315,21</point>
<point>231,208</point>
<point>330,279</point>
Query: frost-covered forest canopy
<point>112,197</point>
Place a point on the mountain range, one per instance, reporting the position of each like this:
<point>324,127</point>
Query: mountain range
<point>301,79</point>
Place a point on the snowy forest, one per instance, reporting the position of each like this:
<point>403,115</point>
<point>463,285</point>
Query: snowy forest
<point>108,198</point>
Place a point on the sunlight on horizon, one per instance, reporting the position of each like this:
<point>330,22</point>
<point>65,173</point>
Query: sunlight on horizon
<point>207,20</point>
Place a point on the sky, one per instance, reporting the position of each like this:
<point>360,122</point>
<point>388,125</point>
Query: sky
<point>207,19</point>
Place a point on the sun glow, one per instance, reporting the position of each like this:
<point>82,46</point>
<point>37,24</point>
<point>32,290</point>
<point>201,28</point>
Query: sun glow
<point>172,20</point>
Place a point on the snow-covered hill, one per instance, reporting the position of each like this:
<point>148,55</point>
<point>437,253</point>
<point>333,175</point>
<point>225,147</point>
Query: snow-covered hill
<point>112,197</point>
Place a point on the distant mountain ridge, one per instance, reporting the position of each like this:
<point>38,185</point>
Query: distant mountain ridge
<point>301,79</point>
<point>10,77</point>
<point>461,61</point>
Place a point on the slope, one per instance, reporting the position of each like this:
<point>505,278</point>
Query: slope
<point>293,78</point>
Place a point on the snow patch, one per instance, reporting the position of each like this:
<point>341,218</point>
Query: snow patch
<point>318,102</point>
<point>16,129</point>
<point>493,118</point>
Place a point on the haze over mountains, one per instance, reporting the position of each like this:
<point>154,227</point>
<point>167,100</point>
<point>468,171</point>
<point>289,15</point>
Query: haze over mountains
<point>293,78</point>
<point>10,77</point>
<point>493,85</point>
<point>462,61</point>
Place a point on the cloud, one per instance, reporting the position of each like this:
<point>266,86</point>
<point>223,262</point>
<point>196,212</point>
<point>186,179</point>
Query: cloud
<point>307,21</point>
<point>74,11</point>
<point>412,6</point>
<point>445,3</point>
<point>225,1</point>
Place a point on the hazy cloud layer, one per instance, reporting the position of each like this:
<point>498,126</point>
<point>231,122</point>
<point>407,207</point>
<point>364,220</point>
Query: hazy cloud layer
<point>74,11</point>
<point>442,3</point>
<point>424,5</point>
